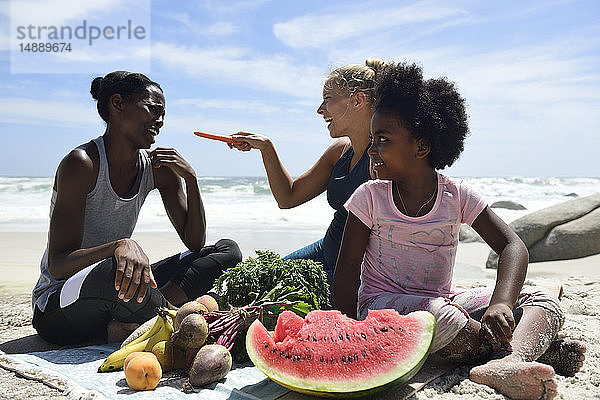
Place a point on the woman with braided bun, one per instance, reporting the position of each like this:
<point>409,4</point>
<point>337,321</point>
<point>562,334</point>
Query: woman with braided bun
<point>95,281</point>
<point>346,109</point>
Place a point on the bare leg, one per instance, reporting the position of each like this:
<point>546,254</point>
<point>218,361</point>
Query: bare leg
<point>565,356</point>
<point>468,346</point>
<point>117,331</point>
<point>517,375</point>
<point>174,294</point>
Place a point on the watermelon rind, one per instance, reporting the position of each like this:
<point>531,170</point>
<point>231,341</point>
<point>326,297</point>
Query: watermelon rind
<point>346,387</point>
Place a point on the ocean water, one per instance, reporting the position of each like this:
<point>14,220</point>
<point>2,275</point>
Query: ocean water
<point>245,204</point>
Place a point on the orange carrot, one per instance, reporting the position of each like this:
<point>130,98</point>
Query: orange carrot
<point>226,139</point>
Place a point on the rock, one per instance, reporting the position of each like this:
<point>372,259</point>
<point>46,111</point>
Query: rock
<point>509,205</point>
<point>575,239</point>
<point>469,235</point>
<point>567,230</point>
<point>572,195</point>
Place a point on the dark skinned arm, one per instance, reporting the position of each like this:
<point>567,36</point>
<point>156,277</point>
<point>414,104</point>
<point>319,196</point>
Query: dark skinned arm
<point>498,321</point>
<point>75,178</point>
<point>346,278</point>
<point>185,210</point>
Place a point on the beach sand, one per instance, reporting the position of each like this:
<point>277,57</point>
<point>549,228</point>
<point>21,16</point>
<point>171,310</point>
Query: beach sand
<point>20,253</point>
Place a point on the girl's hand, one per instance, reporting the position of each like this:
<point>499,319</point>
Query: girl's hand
<point>245,141</point>
<point>133,270</point>
<point>169,157</point>
<point>497,325</point>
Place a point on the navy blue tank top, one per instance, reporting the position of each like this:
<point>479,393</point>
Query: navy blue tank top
<point>342,183</point>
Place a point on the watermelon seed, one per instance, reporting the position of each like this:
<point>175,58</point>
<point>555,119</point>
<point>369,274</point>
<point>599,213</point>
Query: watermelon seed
<point>341,337</point>
<point>321,359</point>
<point>308,357</point>
<point>274,350</point>
<point>343,358</point>
<point>363,335</point>
<point>287,356</point>
<point>314,339</point>
<point>331,337</point>
<point>364,353</point>
<point>384,329</point>
<point>375,329</point>
<point>281,354</point>
<point>356,357</point>
<point>296,358</point>
<point>347,336</point>
<point>331,360</point>
<point>266,345</point>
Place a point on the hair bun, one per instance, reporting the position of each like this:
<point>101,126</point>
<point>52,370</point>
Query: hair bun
<point>96,87</point>
<point>376,64</point>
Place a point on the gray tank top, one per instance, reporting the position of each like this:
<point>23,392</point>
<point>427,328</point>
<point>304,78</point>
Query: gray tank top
<point>108,217</point>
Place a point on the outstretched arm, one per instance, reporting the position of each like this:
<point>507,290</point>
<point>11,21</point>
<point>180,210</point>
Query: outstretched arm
<point>75,178</point>
<point>290,192</point>
<point>346,278</point>
<point>498,321</point>
<point>185,210</point>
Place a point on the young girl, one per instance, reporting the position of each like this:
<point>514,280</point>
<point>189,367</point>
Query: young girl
<point>401,237</point>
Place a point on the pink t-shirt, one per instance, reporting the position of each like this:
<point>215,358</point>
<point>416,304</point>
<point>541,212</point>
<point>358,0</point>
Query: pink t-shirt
<point>411,255</point>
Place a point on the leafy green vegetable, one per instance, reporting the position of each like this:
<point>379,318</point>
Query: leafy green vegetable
<point>270,275</point>
<point>263,288</point>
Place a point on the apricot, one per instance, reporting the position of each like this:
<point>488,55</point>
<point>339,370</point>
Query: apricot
<point>209,302</point>
<point>143,372</point>
<point>131,356</point>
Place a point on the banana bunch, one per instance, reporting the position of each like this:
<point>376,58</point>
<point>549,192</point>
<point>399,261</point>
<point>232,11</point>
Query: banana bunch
<point>160,331</point>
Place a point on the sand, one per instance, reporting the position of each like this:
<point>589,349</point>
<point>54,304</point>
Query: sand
<point>19,267</point>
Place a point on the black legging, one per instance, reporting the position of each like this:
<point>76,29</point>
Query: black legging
<point>97,303</point>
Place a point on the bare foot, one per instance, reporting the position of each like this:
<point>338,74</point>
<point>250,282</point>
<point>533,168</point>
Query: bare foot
<point>565,356</point>
<point>117,331</point>
<point>517,379</point>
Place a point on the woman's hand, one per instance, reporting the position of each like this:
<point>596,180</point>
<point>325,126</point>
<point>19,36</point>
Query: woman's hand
<point>245,141</point>
<point>169,157</point>
<point>133,270</point>
<point>497,325</point>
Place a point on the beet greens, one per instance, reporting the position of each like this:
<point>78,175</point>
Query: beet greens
<point>262,288</point>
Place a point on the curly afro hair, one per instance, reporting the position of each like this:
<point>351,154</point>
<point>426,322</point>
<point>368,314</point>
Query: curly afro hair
<point>429,109</point>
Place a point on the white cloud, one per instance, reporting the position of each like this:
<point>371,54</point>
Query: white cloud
<point>319,30</point>
<point>275,73</point>
<point>57,12</point>
<point>21,110</point>
<point>221,29</point>
<point>228,104</point>
<point>233,6</point>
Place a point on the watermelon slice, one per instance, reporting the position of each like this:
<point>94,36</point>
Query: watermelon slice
<point>330,355</point>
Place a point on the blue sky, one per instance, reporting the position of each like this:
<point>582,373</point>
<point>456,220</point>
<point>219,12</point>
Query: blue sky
<point>530,72</point>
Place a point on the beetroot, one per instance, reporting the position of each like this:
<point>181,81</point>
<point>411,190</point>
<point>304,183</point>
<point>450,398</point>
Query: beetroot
<point>211,364</point>
<point>192,332</point>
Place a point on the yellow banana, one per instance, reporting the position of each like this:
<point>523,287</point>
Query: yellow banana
<point>116,359</point>
<point>149,333</point>
<point>164,333</point>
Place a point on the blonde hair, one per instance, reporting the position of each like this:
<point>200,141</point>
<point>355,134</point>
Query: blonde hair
<point>353,78</point>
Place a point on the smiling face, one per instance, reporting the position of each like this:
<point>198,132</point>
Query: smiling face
<point>394,151</point>
<point>145,116</point>
<point>335,109</point>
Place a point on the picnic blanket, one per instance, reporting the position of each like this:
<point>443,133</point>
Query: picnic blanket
<point>74,372</point>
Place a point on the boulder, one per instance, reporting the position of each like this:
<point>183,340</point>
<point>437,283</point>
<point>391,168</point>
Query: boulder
<point>509,205</point>
<point>567,230</point>
<point>469,235</point>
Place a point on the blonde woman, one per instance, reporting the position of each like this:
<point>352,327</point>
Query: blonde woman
<point>346,109</point>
